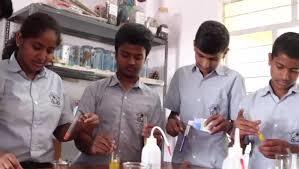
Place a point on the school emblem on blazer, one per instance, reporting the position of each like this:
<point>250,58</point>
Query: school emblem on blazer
<point>54,98</point>
<point>294,136</point>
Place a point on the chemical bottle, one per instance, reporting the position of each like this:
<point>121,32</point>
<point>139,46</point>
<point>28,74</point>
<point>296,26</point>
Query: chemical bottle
<point>234,158</point>
<point>151,153</point>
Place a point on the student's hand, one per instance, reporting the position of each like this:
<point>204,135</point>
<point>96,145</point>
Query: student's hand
<point>102,145</point>
<point>146,132</point>
<point>271,147</point>
<point>174,127</point>
<point>217,123</point>
<point>9,161</point>
<point>246,127</point>
<point>89,121</point>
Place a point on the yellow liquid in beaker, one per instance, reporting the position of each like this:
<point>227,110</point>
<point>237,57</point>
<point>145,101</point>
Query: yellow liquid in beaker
<point>114,164</point>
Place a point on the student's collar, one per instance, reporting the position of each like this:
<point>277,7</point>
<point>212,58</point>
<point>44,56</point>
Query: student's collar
<point>115,81</point>
<point>15,67</point>
<point>220,70</point>
<point>268,89</point>
<point>13,64</point>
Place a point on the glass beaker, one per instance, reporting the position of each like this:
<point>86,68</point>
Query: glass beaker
<point>282,161</point>
<point>114,161</point>
<point>134,165</point>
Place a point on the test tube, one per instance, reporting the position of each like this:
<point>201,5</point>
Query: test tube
<point>185,135</point>
<point>72,126</point>
<point>145,122</point>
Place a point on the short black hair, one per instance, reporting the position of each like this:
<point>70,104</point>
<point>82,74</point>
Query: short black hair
<point>212,37</point>
<point>287,43</point>
<point>5,8</point>
<point>136,34</point>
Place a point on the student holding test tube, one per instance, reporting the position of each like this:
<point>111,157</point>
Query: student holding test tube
<point>33,106</point>
<point>273,110</point>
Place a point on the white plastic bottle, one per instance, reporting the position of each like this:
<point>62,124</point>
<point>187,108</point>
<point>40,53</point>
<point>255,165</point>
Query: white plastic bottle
<point>294,161</point>
<point>234,157</point>
<point>151,153</point>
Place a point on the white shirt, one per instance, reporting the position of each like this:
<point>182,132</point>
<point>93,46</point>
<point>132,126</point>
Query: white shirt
<point>30,110</point>
<point>195,96</point>
<point>279,119</point>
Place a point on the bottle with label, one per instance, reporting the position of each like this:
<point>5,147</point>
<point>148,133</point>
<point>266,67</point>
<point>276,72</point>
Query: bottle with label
<point>162,17</point>
<point>112,10</point>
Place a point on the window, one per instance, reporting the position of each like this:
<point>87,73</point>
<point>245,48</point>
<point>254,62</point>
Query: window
<point>253,26</point>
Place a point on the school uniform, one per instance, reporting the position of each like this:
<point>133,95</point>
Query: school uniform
<point>123,114</point>
<point>279,119</point>
<point>195,96</point>
<point>30,111</point>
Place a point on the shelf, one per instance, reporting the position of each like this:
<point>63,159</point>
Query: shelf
<point>77,72</point>
<point>76,24</point>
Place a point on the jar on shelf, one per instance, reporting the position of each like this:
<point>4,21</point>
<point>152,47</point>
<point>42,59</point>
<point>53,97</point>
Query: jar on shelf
<point>152,25</point>
<point>114,69</point>
<point>112,9</point>
<point>74,58</point>
<point>65,53</point>
<point>58,54</point>
<point>97,58</point>
<point>144,70</point>
<point>107,61</point>
<point>86,56</point>
<point>136,15</point>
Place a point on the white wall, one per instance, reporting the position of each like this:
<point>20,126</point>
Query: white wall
<point>191,14</point>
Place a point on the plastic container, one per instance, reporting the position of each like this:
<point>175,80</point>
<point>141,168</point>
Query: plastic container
<point>97,58</point>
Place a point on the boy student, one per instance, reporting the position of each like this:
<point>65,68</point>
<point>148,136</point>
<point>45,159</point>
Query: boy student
<point>206,90</point>
<point>273,110</point>
<point>128,108</point>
